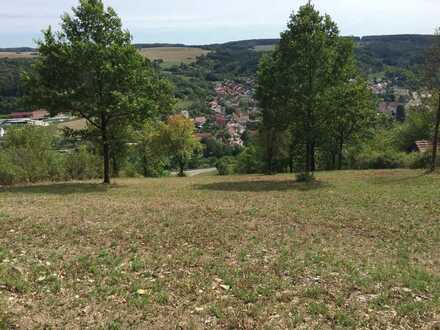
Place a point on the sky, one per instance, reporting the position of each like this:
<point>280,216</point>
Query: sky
<point>209,21</point>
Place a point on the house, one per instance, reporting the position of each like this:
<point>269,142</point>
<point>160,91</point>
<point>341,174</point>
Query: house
<point>220,120</point>
<point>200,121</point>
<point>424,146</point>
<point>35,115</point>
<point>389,107</point>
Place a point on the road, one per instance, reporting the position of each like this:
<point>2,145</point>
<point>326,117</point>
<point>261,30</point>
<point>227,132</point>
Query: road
<point>212,170</point>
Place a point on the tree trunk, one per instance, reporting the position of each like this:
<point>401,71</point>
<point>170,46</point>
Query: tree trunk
<point>181,168</point>
<point>291,159</point>
<point>340,154</point>
<point>312,158</point>
<point>436,137</point>
<point>106,150</point>
<point>308,167</point>
<point>269,142</point>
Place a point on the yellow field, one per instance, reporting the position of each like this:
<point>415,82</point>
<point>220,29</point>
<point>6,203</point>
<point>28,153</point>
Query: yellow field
<point>174,54</point>
<point>15,55</point>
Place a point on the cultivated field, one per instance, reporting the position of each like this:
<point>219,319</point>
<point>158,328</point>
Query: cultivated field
<point>356,250</point>
<point>13,55</point>
<point>170,55</point>
<point>174,55</point>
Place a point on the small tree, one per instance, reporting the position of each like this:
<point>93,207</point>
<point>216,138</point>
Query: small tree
<point>91,69</point>
<point>178,137</point>
<point>433,81</point>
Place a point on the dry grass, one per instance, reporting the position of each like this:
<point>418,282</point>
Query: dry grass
<point>356,250</point>
<point>17,55</point>
<point>77,124</point>
<point>174,54</point>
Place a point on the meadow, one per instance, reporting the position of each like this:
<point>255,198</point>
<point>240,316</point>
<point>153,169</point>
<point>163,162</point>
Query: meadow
<point>173,55</point>
<point>352,250</point>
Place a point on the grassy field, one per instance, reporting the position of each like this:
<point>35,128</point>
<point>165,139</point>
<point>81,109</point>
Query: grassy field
<point>174,55</point>
<point>354,250</point>
<point>264,48</point>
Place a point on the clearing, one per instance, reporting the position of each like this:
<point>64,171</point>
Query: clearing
<point>174,55</point>
<point>17,55</point>
<point>355,250</point>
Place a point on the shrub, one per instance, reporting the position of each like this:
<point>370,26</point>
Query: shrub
<point>82,165</point>
<point>28,155</point>
<point>249,161</point>
<point>304,177</point>
<point>226,165</point>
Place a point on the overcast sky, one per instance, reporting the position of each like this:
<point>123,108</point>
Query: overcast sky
<point>209,21</point>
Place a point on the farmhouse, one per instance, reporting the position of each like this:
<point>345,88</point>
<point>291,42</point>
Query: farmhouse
<point>35,115</point>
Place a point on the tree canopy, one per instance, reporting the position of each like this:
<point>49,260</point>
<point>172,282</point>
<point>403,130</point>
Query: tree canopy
<point>90,68</point>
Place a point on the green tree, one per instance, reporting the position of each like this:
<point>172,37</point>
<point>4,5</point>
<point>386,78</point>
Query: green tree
<point>351,114</point>
<point>152,158</point>
<point>272,102</point>
<point>91,68</point>
<point>312,59</point>
<point>177,136</point>
<point>433,81</point>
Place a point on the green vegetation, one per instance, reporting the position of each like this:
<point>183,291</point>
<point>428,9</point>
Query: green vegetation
<point>177,138</point>
<point>92,69</point>
<point>310,87</point>
<point>28,155</point>
<point>352,249</point>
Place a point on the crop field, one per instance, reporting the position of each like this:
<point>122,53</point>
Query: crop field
<point>170,55</point>
<point>174,55</point>
<point>17,55</point>
<point>353,250</point>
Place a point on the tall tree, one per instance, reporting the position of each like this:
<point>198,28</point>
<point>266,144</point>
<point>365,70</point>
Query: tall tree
<point>91,69</point>
<point>433,81</point>
<point>311,63</point>
<point>271,99</point>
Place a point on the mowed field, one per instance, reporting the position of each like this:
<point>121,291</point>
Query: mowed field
<point>174,55</point>
<point>354,250</point>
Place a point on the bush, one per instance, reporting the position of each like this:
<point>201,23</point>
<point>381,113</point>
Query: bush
<point>27,156</point>
<point>381,160</point>
<point>82,165</point>
<point>9,173</point>
<point>304,177</point>
<point>226,165</point>
<point>419,160</point>
<point>249,161</point>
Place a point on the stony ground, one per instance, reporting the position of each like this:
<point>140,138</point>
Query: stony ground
<point>355,250</point>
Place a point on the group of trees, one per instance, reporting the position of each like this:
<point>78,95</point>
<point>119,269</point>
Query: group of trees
<point>311,93</point>
<point>317,109</point>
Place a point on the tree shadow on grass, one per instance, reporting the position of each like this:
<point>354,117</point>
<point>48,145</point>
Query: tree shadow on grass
<point>263,186</point>
<point>57,189</point>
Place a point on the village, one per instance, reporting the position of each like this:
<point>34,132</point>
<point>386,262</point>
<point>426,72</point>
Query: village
<point>234,112</point>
